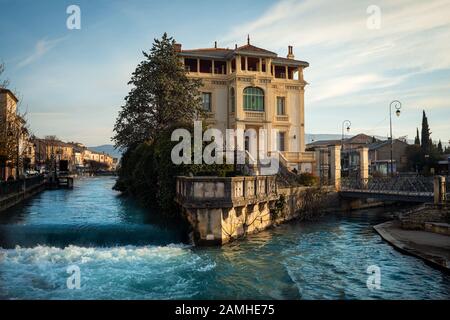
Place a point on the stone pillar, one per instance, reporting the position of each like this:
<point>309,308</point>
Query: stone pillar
<point>335,166</point>
<point>440,194</point>
<point>318,162</point>
<point>364,165</point>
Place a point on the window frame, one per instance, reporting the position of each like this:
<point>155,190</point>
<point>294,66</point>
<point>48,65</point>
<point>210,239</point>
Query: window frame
<point>283,106</point>
<point>281,147</point>
<point>209,94</point>
<point>232,100</point>
<point>251,93</point>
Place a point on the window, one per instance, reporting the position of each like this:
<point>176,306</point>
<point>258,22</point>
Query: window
<point>281,106</point>
<point>281,141</point>
<point>253,99</point>
<point>232,100</point>
<point>206,96</point>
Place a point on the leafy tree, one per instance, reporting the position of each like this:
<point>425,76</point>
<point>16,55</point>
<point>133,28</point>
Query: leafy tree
<point>3,82</point>
<point>161,95</point>
<point>162,99</point>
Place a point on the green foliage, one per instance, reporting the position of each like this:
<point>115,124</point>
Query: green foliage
<point>278,209</point>
<point>417,139</point>
<point>439,147</point>
<point>307,179</point>
<point>148,173</point>
<point>161,95</point>
<point>424,154</point>
<point>426,143</point>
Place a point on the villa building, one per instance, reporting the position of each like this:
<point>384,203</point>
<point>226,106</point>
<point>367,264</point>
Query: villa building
<point>252,88</point>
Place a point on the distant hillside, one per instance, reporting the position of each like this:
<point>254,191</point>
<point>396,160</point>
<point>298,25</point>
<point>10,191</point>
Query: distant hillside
<point>107,148</point>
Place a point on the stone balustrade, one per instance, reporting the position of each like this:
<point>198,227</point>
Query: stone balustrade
<point>224,192</point>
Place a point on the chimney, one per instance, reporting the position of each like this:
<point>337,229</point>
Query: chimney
<point>177,47</point>
<point>215,44</point>
<point>290,53</point>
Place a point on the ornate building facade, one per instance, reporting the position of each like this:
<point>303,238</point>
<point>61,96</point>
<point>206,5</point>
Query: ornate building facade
<point>252,88</point>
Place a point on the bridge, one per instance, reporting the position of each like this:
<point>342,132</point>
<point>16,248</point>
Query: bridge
<point>403,188</point>
<point>418,189</point>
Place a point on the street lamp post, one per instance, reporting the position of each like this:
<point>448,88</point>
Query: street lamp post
<point>397,105</point>
<point>348,124</point>
<point>345,123</point>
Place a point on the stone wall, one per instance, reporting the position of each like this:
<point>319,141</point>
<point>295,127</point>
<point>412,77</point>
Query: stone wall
<point>223,209</point>
<point>28,188</point>
<point>417,218</point>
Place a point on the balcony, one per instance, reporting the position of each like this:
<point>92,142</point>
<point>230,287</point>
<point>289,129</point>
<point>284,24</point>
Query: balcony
<point>282,118</point>
<point>254,115</point>
<point>299,156</point>
<point>196,192</point>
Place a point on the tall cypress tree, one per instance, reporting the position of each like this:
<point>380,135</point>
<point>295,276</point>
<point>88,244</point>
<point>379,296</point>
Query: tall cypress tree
<point>417,140</point>
<point>439,147</point>
<point>426,145</point>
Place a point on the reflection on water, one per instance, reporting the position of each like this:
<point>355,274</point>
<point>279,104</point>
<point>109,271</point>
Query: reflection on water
<point>123,254</point>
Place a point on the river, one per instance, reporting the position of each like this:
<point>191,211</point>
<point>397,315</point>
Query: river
<point>123,252</point>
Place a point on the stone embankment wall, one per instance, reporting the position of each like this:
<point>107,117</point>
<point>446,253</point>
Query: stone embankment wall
<point>14,192</point>
<point>425,217</point>
<point>223,209</point>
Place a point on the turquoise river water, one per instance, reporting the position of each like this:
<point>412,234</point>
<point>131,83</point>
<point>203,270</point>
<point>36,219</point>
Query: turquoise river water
<point>122,252</point>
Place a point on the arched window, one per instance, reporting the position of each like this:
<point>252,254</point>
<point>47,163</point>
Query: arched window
<point>253,99</point>
<point>232,100</point>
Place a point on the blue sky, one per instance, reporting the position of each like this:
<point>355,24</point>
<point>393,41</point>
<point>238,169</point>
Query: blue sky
<point>72,82</point>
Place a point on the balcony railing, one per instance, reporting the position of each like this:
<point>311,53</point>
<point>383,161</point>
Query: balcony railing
<point>12,187</point>
<point>215,191</point>
<point>299,156</point>
<point>255,115</point>
<point>282,118</point>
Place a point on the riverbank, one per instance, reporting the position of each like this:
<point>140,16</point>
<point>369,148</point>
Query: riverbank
<point>431,247</point>
<point>15,192</point>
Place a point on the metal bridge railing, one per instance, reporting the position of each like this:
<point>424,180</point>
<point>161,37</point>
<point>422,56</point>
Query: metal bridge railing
<point>414,184</point>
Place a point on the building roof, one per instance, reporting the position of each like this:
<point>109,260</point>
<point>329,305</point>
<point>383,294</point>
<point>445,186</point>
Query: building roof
<point>251,49</point>
<point>379,144</point>
<point>248,49</point>
<point>324,143</point>
<point>7,91</point>
<point>361,139</point>
<point>220,53</point>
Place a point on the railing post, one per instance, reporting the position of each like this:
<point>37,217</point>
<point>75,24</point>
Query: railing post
<point>440,194</point>
<point>364,166</point>
<point>335,166</point>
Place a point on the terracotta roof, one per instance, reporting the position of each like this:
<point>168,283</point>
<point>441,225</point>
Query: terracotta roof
<point>225,53</point>
<point>284,61</point>
<point>252,49</point>
<point>208,52</point>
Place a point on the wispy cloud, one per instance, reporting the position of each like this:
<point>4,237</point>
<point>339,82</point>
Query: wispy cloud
<point>41,47</point>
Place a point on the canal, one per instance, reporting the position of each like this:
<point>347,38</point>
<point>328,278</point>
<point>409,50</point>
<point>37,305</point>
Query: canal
<point>125,253</point>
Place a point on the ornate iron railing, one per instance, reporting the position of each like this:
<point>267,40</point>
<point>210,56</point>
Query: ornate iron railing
<point>414,184</point>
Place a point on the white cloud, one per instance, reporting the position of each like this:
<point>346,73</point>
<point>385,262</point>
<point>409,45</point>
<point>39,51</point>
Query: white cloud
<point>41,47</point>
<point>353,67</point>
